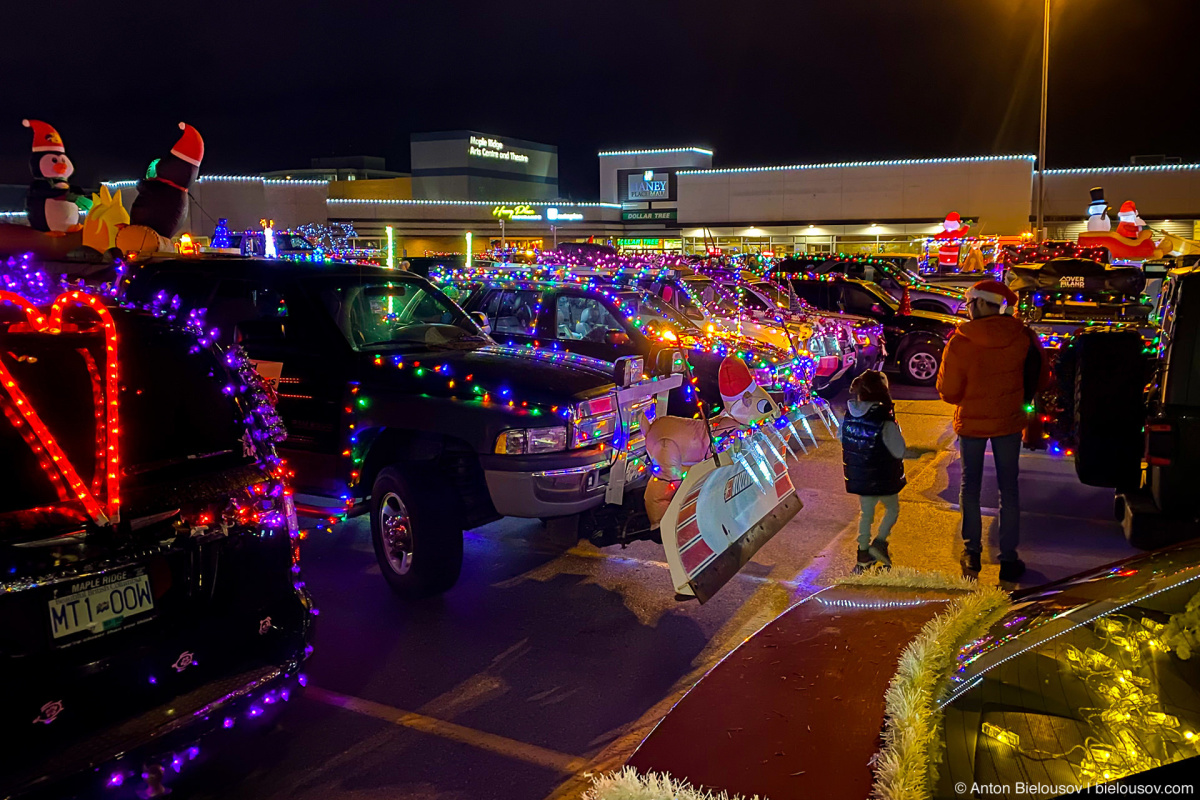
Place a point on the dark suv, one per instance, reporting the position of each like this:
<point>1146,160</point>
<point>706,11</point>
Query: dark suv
<point>893,272</point>
<point>1143,438</point>
<point>914,341</point>
<point>397,403</point>
<point>151,588</point>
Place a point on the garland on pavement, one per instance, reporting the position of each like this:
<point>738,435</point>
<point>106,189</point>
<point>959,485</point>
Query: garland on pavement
<point>906,766</point>
<point>627,784</point>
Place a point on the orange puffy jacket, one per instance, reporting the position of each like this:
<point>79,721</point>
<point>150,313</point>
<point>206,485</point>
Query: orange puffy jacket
<point>983,376</point>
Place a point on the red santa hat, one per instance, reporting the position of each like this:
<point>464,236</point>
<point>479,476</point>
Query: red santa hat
<point>190,146</point>
<point>45,138</point>
<point>734,379</point>
<point>1128,207</point>
<point>996,293</point>
<point>953,217</point>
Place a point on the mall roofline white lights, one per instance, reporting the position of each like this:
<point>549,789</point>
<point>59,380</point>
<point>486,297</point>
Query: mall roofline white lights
<point>532,203</point>
<point>905,162</point>
<point>1125,169</point>
<point>702,151</point>
<point>233,179</point>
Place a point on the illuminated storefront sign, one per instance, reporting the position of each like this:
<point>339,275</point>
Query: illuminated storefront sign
<point>650,244</point>
<point>646,216</point>
<point>517,213</point>
<point>639,185</point>
<point>487,147</point>
<point>554,215</point>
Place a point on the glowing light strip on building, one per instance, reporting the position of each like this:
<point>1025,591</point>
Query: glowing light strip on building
<point>490,203</point>
<point>853,164</point>
<point>233,179</point>
<point>699,150</point>
<point>12,215</point>
<point>1127,169</point>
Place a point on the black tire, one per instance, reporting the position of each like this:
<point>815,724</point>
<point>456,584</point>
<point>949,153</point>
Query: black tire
<point>919,363</point>
<point>1119,507</point>
<point>425,557</point>
<point>1110,409</point>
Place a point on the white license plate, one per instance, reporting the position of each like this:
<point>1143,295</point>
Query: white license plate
<point>101,608</point>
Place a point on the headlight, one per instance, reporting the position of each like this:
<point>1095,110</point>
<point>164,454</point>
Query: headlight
<point>593,421</point>
<point>531,440</point>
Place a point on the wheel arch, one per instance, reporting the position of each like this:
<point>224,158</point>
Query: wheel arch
<point>437,453</point>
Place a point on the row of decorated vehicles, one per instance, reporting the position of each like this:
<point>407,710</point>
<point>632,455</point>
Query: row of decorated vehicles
<point>171,419</point>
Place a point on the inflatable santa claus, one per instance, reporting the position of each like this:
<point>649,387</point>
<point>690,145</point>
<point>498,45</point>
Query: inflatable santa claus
<point>1132,241</point>
<point>953,232</point>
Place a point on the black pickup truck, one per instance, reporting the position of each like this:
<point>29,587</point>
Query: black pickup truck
<point>397,403</point>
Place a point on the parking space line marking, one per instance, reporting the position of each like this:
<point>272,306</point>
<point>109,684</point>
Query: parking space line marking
<point>500,745</point>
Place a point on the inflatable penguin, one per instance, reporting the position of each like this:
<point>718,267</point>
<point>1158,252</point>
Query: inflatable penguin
<point>161,203</point>
<point>51,203</point>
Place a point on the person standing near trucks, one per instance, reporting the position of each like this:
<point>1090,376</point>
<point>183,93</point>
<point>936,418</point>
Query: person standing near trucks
<point>990,370</point>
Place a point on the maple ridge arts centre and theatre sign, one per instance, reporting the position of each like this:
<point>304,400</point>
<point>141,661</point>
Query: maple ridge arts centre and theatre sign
<point>486,147</point>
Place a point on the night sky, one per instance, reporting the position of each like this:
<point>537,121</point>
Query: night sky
<point>271,85</point>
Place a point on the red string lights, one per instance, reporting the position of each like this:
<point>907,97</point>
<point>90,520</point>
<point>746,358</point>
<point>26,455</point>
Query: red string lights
<point>107,421</point>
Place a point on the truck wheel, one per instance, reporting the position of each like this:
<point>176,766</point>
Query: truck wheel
<point>919,364</point>
<point>418,544</point>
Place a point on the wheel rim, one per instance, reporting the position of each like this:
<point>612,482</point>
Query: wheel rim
<point>395,528</point>
<point>922,366</point>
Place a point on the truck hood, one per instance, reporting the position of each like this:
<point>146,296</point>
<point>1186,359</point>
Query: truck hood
<point>506,373</point>
<point>934,317</point>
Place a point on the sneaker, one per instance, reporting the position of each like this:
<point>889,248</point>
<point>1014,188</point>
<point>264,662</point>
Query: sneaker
<point>970,563</point>
<point>1011,571</point>
<point>865,562</point>
<point>879,551</point>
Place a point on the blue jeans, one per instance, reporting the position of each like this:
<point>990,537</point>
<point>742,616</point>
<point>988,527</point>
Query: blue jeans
<point>891,512</point>
<point>1006,453</point>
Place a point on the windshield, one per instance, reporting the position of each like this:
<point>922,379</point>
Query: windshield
<point>373,314</point>
<point>649,310</point>
<point>882,296</point>
<point>1084,682</point>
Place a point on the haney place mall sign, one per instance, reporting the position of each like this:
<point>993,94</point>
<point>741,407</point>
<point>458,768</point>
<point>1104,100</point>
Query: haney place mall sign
<point>486,147</point>
<point>523,212</point>
<point>639,185</point>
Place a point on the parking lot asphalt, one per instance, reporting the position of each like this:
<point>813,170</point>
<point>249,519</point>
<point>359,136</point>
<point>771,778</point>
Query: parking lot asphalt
<point>552,659</point>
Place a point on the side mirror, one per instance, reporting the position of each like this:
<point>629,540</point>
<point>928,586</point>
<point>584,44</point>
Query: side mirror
<point>694,313</point>
<point>253,331</point>
<point>876,308</point>
<point>669,362</point>
<point>628,370</point>
<point>481,319</point>
<point>616,337</point>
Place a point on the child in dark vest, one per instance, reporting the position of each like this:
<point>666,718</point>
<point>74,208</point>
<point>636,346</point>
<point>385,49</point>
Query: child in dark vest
<point>872,460</point>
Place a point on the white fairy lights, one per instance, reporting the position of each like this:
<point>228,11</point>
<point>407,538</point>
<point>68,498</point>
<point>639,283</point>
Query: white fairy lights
<point>653,152</point>
<point>855,164</point>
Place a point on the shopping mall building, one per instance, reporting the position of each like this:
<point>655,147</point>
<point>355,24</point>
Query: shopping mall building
<point>502,189</point>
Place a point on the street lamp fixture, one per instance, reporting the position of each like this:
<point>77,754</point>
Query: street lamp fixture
<point>1041,192</point>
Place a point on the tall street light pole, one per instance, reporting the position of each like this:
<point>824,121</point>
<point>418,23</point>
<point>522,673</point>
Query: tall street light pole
<point>1041,203</point>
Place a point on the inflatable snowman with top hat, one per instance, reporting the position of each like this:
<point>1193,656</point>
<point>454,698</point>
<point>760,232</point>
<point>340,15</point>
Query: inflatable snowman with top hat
<point>1098,211</point>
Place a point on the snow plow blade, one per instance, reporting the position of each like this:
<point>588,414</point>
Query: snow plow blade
<point>720,517</point>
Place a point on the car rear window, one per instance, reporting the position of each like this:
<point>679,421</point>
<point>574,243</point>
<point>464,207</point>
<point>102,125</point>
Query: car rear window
<point>176,422</point>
